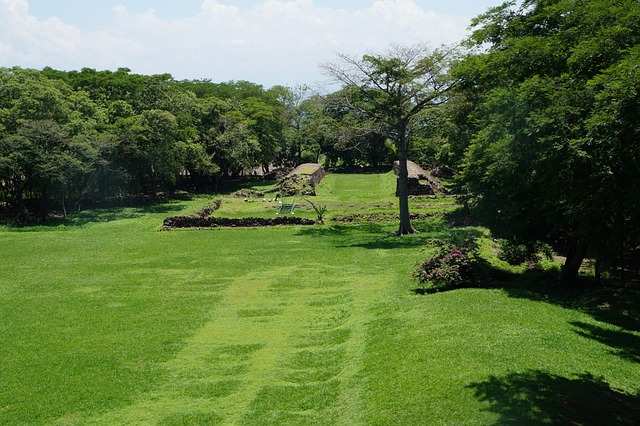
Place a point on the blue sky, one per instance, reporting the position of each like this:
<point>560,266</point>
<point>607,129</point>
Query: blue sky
<point>98,13</point>
<point>264,41</point>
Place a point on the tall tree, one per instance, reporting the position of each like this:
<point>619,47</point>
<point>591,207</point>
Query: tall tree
<point>294,116</point>
<point>305,123</point>
<point>266,123</point>
<point>107,135</point>
<point>229,140</point>
<point>148,148</point>
<point>387,91</point>
<point>556,101</point>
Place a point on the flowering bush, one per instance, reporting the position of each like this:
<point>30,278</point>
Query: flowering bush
<point>449,267</point>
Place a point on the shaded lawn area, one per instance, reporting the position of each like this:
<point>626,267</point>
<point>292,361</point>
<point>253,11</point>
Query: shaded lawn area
<point>480,356</point>
<point>112,322</point>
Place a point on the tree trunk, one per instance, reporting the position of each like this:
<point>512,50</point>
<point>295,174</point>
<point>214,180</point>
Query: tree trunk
<point>44,204</point>
<point>598,271</point>
<point>62,203</point>
<point>575,255</point>
<point>102,186</point>
<point>22,209</point>
<point>403,190</point>
<point>623,276</point>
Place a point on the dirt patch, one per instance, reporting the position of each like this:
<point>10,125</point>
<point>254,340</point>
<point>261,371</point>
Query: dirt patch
<point>305,169</point>
<point>208,211</point>
<point>248,193</point>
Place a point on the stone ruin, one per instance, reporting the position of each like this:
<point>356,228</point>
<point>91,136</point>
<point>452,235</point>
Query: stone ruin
<point>420,182</point>
<point>302,180</point>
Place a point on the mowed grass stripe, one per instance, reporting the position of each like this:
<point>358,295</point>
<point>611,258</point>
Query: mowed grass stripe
<point>271,320</point>
<point>217,361</point>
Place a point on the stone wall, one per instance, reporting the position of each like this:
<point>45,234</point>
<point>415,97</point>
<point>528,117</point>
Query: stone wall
<point>203,219</point>
<point>224,222</point>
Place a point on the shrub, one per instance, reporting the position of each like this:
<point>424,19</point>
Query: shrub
<point>450,267</point>
<point>517,253</point>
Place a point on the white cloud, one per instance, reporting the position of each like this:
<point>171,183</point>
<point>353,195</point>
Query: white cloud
<point>275,42</point>
<point>20,7</point>
<point>28,40</point>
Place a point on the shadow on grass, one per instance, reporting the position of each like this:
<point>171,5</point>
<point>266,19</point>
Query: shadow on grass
<point>111,214</point>
<point>369,235</point>
<point>381,235</point>
<point>609,302</point>
<point>624,344</point>
<point>537,397</point>
<point>441,230</point>
<point>328,231</point>
<point>99,215</point>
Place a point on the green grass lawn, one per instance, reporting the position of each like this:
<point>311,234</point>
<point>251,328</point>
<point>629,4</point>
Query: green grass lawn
<point>105,320</point>
<point>342,194</point>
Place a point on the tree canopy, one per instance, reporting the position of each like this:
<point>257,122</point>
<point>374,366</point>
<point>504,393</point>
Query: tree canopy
<point>104,136</point>
<point>554,151</point>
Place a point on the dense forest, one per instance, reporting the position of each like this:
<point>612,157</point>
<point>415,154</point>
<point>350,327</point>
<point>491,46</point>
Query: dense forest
<point>540,129</point>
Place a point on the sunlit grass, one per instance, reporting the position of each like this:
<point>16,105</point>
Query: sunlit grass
<point>342,194</point>
<point>106,320</point>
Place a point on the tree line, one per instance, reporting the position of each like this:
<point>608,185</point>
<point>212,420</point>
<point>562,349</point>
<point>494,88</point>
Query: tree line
<point>550,104</point>
<point>74,137</point>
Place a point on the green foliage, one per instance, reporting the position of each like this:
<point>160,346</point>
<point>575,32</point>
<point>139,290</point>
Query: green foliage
<point>552,148</point>
<point>382,95</point>
<point>516,253</point>
<point>319,209</point>
<point>126,137</point>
